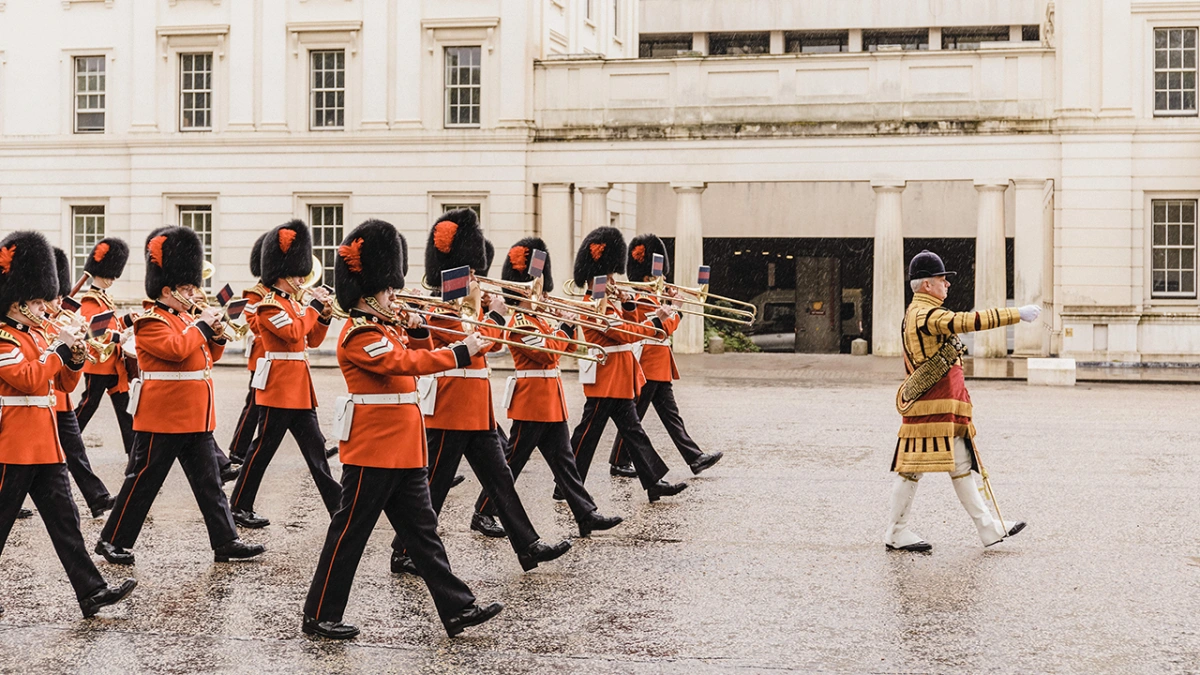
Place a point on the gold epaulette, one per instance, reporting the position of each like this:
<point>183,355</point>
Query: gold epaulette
<point>523,321</point>
<point>269,301</point>
<point>358,324</point>
<point>8,337</point>
<point>152,315</point>
<point>257,289</point>
<point>99,296</point>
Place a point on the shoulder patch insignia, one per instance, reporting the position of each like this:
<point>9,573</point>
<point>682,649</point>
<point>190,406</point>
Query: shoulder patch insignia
<point>8,337</point>
<point>357,325</point>
<point>269,300</point>
<point>150,315</point>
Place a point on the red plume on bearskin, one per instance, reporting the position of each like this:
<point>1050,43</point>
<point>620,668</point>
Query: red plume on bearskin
<point>516,265</point>
<point>517,256</point>
<point>100,251</point>
<point>107,259</point>
<point>370,260</point>
<point>601,252</point>
<point>174,258</point>
<point>155,249</point>
<point>641,257</point>
<point>443,235</point>
<point>352,254</point>
<point>286,252</point>
<point>455,240</point>
<point>286,237</point>
<point>6,258</point>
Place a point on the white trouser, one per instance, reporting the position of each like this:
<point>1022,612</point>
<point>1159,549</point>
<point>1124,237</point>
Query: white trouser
<point>904,490</point>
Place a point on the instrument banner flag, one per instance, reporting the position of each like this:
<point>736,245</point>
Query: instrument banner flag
<point>656,267</point>
<point>224,294</point>
<point>234,309</point>
<point>456,283</point>
<point>702,278</point>
<point>71,304</point>
<point>99,323</point>
<point>599,286</point>
<point>537,264</point>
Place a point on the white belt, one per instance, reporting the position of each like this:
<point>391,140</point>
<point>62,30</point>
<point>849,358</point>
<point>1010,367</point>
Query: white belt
<point>663,342</point>
<point>622,348</point>
<point>548,374</point>
<point>177,376</point>
<point>27,401</point>
<point>478,374</point>
<point>384,399</point>
<point>287,356</point>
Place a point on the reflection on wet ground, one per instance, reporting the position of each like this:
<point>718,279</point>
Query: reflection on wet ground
<point>770,562</point>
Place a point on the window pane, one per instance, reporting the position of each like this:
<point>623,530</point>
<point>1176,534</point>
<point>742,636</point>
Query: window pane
<point>1187,282</point>
<point>1160,259</point>
<point>1160,235</point>
<point>1160,282</point>
<point>1160,39</point>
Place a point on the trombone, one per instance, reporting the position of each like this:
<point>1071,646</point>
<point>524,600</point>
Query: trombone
<point>743,313</point>
<point>531,291</point>
<point>593,352</point>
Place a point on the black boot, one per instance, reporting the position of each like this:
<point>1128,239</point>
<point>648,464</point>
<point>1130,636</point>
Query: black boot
<point>664,489</point>
<point>705,461</point>
<point>458,480</point>
<point>104,506</point>
<point>558,495</point>
<point>230,473</point>
<point>249,519</point>
<point>24,513</point>
<point>471,616</point>
<point>237,550</point>
<point>540,552</point>
<point>402,564</point>
<point>330,452</point>
<point>331,630</point>
<point>626,470</point>
<point>109,595</point>
<point>487,526</point>
<point>594,522</point>
<point>114,554</point>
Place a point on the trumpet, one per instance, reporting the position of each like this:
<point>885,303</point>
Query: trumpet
<point>75,324</point>
<point>463,312</point>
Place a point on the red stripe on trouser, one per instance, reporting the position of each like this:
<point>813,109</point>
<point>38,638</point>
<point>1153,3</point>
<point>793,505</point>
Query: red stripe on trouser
<point>333,558</point>
<point>512,450</point>
<point>125,506</point>
<point>262,437</point>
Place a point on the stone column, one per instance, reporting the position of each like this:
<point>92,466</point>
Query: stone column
<point>887,295</point>
<point>142,68</point>
<point>1029,265</point>
<point>558,229</point>
<point>273,65</point>
<point>990,277</point>
<point>595,205</point>
<point>373,51</point>
<point>241,66</point>
<point>689,256</point>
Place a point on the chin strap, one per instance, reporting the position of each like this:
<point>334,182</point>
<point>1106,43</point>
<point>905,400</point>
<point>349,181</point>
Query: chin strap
<point>25,312</point>
<point>376,307</point>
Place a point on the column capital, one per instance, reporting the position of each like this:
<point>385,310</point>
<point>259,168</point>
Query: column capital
<point>990,184</point>
<point>554,187</point>
<point>888,185</point>
<point>689,187</point>
<point>1029,183</point>
<point>594,188</point>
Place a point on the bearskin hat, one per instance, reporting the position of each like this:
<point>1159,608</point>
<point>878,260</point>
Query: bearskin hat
<point>63,265</point>
<point>455,240</point>
<point>286,252</point>
<point>489,256</point>
<point>516,265</point>
<point>174,258</point>
<point>641,257</point>
<point>602,252</point>
<point>107,259</point>
<point>256,256</point>
<point>370,260</point>
<point>27,269</point>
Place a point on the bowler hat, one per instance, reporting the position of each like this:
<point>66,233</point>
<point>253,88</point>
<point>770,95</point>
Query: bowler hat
<point>927,264</point>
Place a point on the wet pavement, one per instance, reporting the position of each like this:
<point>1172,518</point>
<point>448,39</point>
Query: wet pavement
<point>770,562</point>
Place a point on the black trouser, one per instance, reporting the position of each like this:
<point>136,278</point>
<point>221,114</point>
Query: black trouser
<point>273,423</point>
<point>93,392</point>
<point>402,494</point>
<point>553,439</point>
<point>662,396</point>
<point>153,456</point>
<point>623,413</point>
<point>93,489</point>
<point>482,449</point>
<point>50,489</point>
<point>246,426</point>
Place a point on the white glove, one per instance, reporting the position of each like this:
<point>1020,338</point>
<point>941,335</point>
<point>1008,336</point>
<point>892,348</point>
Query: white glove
<point>1030,313</point>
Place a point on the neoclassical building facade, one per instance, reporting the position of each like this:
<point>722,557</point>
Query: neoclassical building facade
<point>1048,148</point>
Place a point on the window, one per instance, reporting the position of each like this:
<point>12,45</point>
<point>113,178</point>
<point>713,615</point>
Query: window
<point>731,44</point>
<point>200,219</point>
<point>817,42</point>
<point>663,46</point>
<point>477,208</point>
<point>326,222</point>
<point>195,92</point>
<point>328,89</point>
<point>1031,33</point>
<point>87,226</point>
<point>1175,71</point>
<point>1173,268</point>
<point>463,86</point>
<point>89,94</point>
<point>972,37</point>
<point>895,40</point>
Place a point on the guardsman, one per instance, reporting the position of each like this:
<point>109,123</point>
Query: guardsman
<point>458,401</point>
<point>31,460</point>
<point>612,387</point>
<point>536,403</point>
<point>285,395</point>
<point>90,486</point>
<point>382,437</point>
<point>172,401</point>
<point>243,434</point>
<point>105,263</point>
<point>936,433</point>
<point>658,365</point>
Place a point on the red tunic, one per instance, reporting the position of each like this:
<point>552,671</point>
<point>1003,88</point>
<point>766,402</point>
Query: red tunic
<point>170,342</point>
<point>377,358</point>
<point>463,404</point>
<point>620,376</point>
<point>254,295</point>
<point>96,300</point>
<point>28,434</point>
<point>537,399</point>
<point>287,327</point>
<point>657,361</point>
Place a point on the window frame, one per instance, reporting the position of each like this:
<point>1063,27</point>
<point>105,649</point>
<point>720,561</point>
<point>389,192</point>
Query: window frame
<point>1152,225</point>
<point>919,33</point>
<point>446,88</point>
<point>717,37</point>
<point>798,36</point>
<point>75,94</point>
<point>211,90</point>
<point>313,90</point>
<point>439,201</point>
<point>305,38</point>
<point>303,204</point>
<point>1154,71</point>
<point>78,258</point>
<point>210,246</point>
